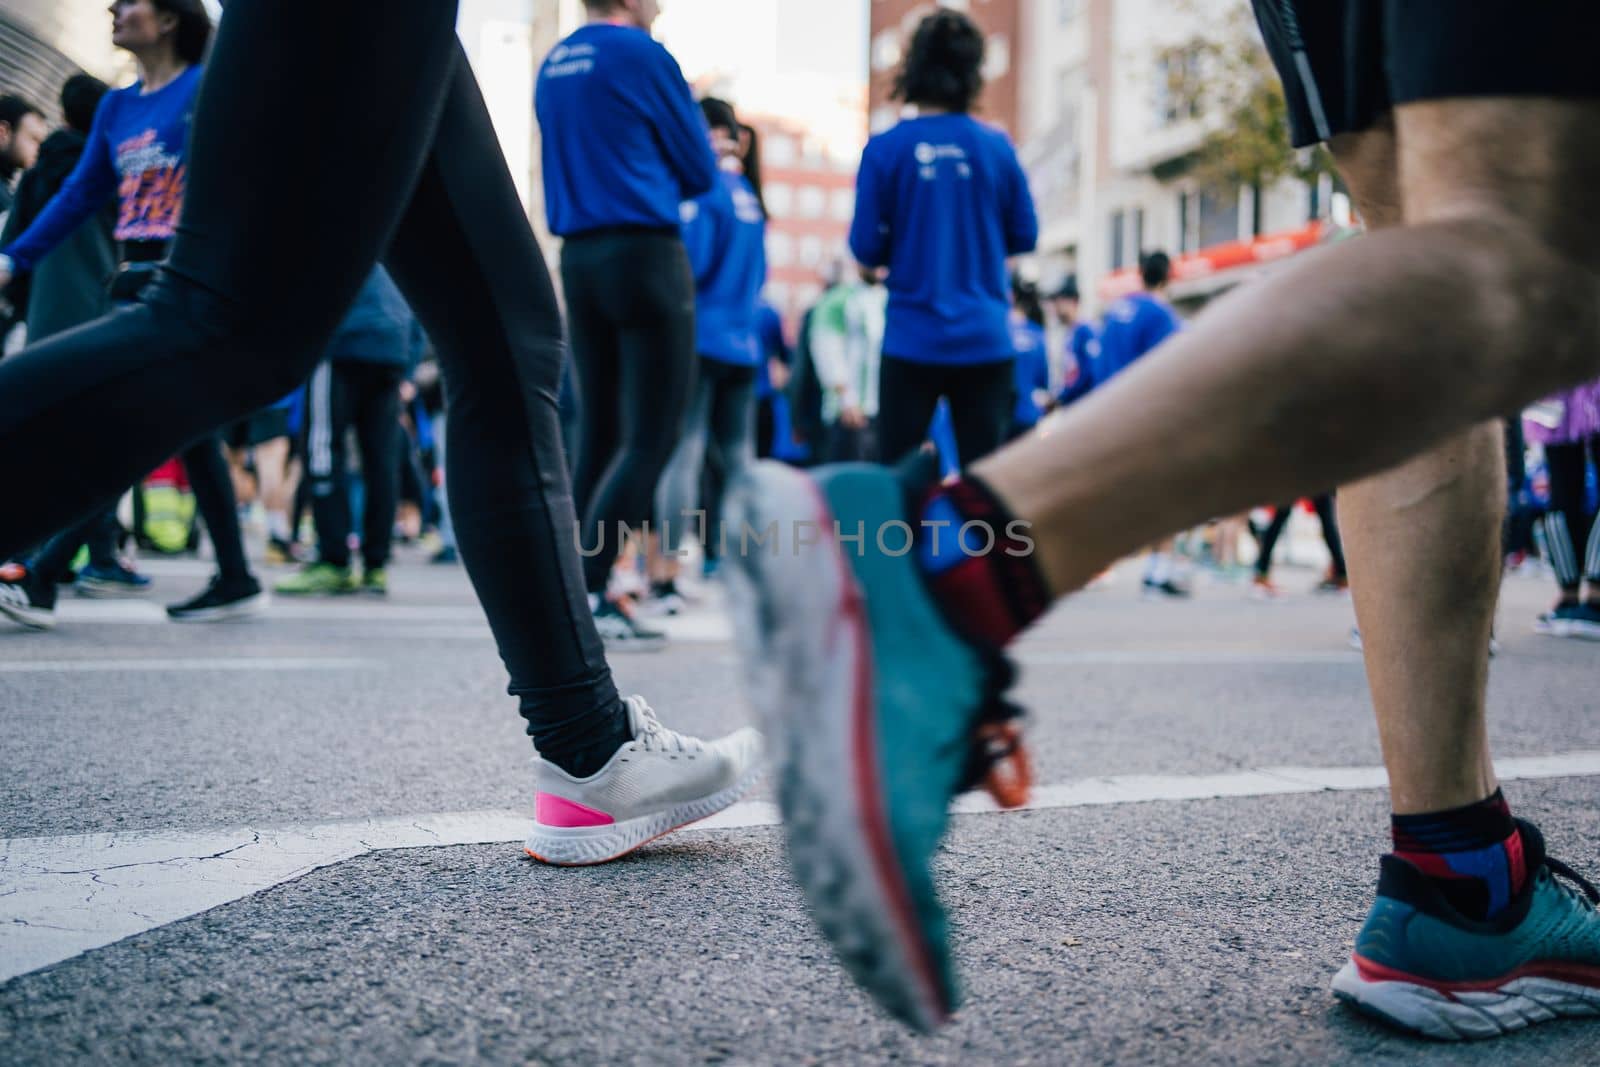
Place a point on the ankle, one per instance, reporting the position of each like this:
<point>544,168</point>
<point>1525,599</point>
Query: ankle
<point>977,569</point>
<point>1473,854</point>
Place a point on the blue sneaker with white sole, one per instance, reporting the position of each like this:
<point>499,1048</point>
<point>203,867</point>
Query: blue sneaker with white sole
<point>114,581</point>
<point>880,714</point>
<point>1422,966</point>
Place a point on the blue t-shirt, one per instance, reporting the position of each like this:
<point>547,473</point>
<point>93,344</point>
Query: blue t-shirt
<point>623,141</point>
<point>1082,365</point>
<point>1133,327</point>
<point>137,152</point>
<point>725,234</point>
<point>942,202</point>
<point>1032,370</point>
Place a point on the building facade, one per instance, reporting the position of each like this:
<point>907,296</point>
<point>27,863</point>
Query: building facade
<point>44,42</point>
<point>809,187</point>
<point>892,23</point>
<point>1109,138</point>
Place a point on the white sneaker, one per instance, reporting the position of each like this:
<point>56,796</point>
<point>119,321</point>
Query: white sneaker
<point>657,783</point>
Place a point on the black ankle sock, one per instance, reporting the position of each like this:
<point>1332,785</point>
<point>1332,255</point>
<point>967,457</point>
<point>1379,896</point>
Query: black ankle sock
<point>980,568</point>
<point>583,745</point>
<point>1473,854</point>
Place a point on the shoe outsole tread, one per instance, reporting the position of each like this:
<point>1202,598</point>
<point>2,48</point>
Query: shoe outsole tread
<point>1466,1015</point>
<point>856,891</point>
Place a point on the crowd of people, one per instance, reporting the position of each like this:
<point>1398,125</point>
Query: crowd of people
<point>172,306</point>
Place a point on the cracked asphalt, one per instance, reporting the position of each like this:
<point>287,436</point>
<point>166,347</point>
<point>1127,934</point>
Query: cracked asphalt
<point>1191,932</point>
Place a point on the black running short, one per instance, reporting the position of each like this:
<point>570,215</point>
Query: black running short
<point>1345,63</point>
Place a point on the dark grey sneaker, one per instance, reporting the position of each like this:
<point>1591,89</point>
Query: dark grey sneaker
<point>222,601</point>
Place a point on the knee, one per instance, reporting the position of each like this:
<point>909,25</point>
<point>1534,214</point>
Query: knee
<point>1539,305</point>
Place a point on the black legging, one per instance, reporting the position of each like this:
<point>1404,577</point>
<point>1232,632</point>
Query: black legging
<point>366,396</point>
<point>630,303</point>
<point>1330,535</point>
<point>387,145</point>
<point>981,395</point>
<point>1570,530</point>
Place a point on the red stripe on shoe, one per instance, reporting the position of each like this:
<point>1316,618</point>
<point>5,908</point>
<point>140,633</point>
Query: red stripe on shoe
<point>1557,970</point>
<point>869,793</point>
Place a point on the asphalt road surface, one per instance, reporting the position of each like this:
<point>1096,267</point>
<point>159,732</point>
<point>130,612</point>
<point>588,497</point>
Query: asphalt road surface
<point>296,840</point>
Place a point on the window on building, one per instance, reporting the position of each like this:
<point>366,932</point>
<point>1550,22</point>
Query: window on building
<point>843,205</point>
<point>1185,241</point>
<point>1138,248</point>
<point>805,295</point>
<point>778,295</point>
<point>780,249</point>
<point>812,203</point>
<point>811,252</point>
<point>778,150</point>
<point>997,57</point>
<point>780,199</point>
<point>886,50</point>
<point>1179,85</point>
<point>1067,10</point>
<point>1218,216</point>
<point>1119,257</point>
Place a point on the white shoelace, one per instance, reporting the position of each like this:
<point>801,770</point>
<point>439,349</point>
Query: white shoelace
<point>653,736</point>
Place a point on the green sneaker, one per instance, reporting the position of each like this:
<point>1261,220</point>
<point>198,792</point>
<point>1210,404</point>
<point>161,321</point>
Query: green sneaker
<point>317,579</point>
<point>375,582</point>
<point>1422,966</point>
<point>881,713</point>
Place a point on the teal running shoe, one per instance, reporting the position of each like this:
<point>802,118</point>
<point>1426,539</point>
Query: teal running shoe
<point>1422,966</point>
<point>881,714</point>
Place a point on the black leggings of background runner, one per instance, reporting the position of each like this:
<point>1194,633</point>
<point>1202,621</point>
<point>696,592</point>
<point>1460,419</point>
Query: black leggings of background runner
<point>1323,504</point>
<point>212,484</point>
<point>982,397</point>
<point>312,154</point>
<point>630,302</point>
<point>366,396</point>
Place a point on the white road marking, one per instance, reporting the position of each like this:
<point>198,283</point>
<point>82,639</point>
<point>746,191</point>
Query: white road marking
<point>1184,658</point>
<point>377,618</point>
<point>456,622</point>
<point>63,896</point>
<point>224,663</point>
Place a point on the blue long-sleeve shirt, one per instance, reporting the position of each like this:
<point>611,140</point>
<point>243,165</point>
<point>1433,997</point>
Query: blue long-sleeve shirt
<point>623,141</point>
<point>1082,364</point>
<point>725,234</point>
<point>1133,327</point>
<point>942,202</point>
<point>1032,371</point>
<point>137,152</point>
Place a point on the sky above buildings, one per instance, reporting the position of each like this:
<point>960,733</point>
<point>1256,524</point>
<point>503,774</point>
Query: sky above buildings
<point>801,59</point>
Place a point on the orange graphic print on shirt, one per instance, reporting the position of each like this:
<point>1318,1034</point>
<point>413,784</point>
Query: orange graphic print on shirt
<point>151,191</point>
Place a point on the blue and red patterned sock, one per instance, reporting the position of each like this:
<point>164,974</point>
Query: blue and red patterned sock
<point>1473,854</point>
<point>978,562</point>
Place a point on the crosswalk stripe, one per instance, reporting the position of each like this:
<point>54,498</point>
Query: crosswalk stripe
<point>63,896</point>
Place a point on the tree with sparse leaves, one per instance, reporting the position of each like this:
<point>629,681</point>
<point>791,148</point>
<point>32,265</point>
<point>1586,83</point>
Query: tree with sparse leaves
<point>1227,73</point>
